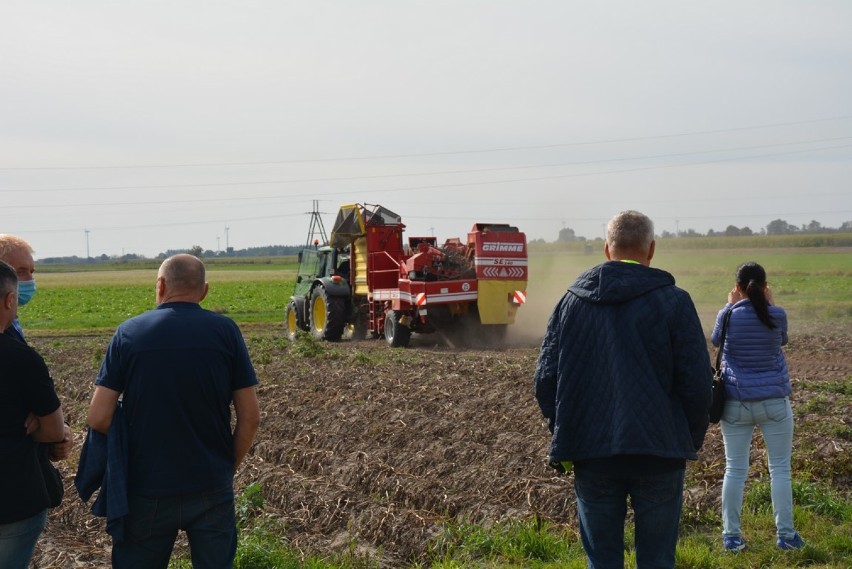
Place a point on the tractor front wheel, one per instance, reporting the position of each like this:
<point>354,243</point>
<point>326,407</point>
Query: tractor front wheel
<point>397,335</point>
<point>290,317</point>
<point>294,320</point>
<point>328,315</point>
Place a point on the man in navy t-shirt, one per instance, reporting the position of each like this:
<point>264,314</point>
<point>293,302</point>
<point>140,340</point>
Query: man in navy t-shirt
<point>178,369</point>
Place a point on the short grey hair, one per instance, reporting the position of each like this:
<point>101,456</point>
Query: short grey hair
<point>8,279</point>
<point>183,272</point>
<point>630,231</point>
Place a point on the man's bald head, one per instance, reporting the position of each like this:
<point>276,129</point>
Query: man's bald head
<point>182,278</point>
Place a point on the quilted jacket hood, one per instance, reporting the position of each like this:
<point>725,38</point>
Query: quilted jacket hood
<point>617,282</point>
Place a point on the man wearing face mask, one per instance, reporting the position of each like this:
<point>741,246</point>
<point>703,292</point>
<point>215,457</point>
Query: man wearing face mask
<point>19,255</point>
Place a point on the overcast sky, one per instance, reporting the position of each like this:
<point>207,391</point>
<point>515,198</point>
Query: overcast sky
<point>136,127</point>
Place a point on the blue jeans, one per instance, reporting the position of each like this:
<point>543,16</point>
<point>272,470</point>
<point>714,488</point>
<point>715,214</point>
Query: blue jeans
<point>602,505</point>
<point>775,419</point>
<point>152,525</point>
<point>18,540</point>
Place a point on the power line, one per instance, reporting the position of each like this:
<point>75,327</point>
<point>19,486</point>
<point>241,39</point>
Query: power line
<point>426,187</point>
<point>461,218</point>
<point>427,154</point>
<point>468,171</point>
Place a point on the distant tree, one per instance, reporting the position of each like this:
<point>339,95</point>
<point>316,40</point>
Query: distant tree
<point>710,233</point>
<point>813,227</point>
<point>746,231</point>
<point>732,231</point>
<point>780,227</point>
<point>567,234</point>
<point>846,226</point>
<point>667,235</point>
<point>196,250</point>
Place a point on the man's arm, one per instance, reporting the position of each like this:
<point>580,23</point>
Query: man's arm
<point>51,428</point>
<point>102,408</point>
<point>545,377</point>
<point>247,410</point>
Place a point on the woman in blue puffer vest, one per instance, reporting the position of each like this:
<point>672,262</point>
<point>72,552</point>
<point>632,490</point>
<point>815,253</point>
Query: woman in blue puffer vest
<point>757,389</point>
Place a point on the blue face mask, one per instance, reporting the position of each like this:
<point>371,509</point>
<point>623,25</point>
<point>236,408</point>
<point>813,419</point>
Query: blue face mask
<point>26,290</point>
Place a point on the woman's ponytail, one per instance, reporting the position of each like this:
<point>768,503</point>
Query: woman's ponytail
<point>751,278</point>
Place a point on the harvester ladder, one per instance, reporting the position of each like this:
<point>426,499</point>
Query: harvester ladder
<point>377,313</point>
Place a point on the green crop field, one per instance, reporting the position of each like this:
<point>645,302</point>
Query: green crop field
<point>812,284</point>
<point>102,299</point>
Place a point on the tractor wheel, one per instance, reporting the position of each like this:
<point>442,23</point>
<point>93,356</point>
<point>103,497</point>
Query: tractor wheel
<point>328,315</point>
<point>397,335</point>
<point>294,319</point>
<point>291,320</point>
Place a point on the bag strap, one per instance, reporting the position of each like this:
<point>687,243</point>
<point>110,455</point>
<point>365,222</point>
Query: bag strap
<point>722,340</point>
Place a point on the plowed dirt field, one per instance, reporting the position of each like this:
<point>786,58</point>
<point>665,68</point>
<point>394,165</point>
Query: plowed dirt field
<point>361,444</point>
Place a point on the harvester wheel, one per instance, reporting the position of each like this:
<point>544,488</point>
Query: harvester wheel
<point>293,321</point>
<point>495,335</point>
<point>328,315</point>
<point>397,334</point>
<point>359,328</point>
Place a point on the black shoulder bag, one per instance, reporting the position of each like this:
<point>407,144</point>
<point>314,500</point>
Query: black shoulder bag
<point>717,401</point>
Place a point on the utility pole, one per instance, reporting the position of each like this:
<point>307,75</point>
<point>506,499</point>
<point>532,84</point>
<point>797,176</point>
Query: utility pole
<point>86,231</point>
<point>218,249</point>
<point>227,242</point>
<point>316,228</point>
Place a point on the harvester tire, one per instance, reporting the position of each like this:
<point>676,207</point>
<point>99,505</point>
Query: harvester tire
<point>495,335</point>
<point>397,335</point>
<point>328,315</point>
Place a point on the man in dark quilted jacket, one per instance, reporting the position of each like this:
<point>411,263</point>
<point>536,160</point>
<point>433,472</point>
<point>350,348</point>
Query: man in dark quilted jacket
<point>623,379</point>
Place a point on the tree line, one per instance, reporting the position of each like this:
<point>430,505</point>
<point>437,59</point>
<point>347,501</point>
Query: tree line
<point>775,227</point>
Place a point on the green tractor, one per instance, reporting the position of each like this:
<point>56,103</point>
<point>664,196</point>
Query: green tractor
<point>322,300</point>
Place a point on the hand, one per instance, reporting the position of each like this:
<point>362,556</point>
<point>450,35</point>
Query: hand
<point>768,293</point>
<point>32,423</point>
<point>61,451</point>
<point>735,296</point>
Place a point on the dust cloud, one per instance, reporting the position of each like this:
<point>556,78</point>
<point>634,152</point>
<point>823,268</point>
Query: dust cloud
<point>548,280</point>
